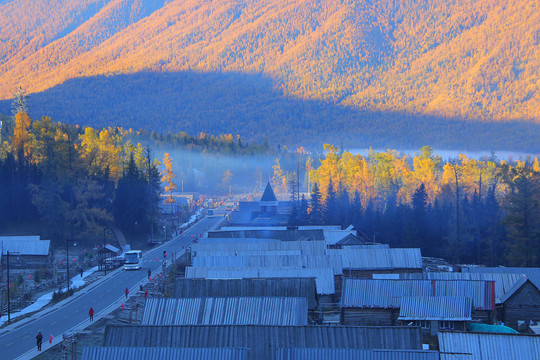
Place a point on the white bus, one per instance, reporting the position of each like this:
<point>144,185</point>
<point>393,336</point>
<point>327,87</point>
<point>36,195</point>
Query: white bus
<point>133,260</point>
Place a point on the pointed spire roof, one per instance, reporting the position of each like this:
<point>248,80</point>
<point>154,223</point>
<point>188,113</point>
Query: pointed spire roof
<point>268,194</point>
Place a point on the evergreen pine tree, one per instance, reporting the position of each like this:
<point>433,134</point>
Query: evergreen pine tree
<point>315,206</point>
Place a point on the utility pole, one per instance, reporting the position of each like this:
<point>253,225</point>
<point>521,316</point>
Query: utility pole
<point>453,163</point>
<point>8,302</point>
<point>67,263</point>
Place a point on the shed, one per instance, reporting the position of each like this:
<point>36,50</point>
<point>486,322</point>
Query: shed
<point>153,353</point>
<point>25,251</point>
<point>106,256</point>
<point>434,313</point>
<point>324,277</point>
<point>377,301</point>
<point>503,281</point>
<point>263,341</point>
<point>226,311</point>
<point>521,303</point>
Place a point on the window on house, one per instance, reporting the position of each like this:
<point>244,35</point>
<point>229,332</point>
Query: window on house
<point>425,324</point>
<point>446,325</point>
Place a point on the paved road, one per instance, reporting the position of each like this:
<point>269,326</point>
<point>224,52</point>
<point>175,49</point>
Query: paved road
<point>19,340</point>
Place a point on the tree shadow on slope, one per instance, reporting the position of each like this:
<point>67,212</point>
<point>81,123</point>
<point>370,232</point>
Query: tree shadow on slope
<point>249,105</point>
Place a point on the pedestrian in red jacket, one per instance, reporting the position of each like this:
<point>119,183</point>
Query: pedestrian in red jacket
<point>126,292</point>
<point>91,313</point>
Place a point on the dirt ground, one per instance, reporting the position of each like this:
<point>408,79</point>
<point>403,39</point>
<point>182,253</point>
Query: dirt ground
<point>93,335</point>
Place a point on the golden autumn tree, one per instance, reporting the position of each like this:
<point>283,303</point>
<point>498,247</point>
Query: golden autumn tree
<point>328,169</point>
<point>20,140</point>
<point>427,169</point>
<point>168,179</point>
<point>279,181</point>
<point>102,150</point>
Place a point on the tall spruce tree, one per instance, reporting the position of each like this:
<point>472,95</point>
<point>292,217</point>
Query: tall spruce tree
<point>315,206</point>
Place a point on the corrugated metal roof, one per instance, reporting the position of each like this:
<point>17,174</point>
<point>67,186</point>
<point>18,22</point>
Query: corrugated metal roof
<point>153,353</point>
<point>24,245</point>
<point>239,228</point>
<point>532,273</point>
<point>324,277</point>
<point>369,246</point>
<point>207,240</point>
<point>387,293</point>
<point>226,311</point>
<point>20,238</point>
<point>503,281</point>
<point>290,287</point>
<point>321,227</point>
<point>334,236</point>
<point>355,354</point>
<point>263,341</point>
<point>247,253</point>
<point>515,288</point>
<point>264,260</point>
<point>378,258</point>
<point>307,247</point>
<point>483,346</point>
<point>284,235</point>
<point>452,308</point>
<point>260,261</point>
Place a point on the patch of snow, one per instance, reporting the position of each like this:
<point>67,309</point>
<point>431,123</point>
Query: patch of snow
<point>76,282</point>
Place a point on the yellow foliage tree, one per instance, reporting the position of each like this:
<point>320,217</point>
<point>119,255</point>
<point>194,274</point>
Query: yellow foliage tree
<point>20,140</point>
<point>168,179</point>
<point>102,150</point>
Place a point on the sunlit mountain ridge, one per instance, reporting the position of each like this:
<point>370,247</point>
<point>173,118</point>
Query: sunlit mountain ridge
<point>471,60</point>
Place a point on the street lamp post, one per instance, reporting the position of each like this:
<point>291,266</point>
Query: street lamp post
<point>8,285</point>
<point>67,260</point>
<point>8,302</point>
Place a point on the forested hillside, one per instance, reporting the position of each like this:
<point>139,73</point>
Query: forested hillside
<point>370,66</point>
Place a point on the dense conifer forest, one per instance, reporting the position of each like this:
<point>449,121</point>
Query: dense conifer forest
<point>66,179</point>
<point>483,211</point>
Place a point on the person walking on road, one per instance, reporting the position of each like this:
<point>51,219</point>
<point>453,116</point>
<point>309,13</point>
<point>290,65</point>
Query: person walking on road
<point>39,340</point>
<point>126,292</point>
<point>91,313</point>
<point>149,274</point>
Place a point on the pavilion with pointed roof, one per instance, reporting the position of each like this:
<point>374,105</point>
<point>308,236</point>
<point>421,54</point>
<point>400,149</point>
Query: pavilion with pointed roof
<point>268,202</point>
<point>268,211</point>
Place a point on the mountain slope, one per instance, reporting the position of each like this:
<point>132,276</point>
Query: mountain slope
<point>472,59</point>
